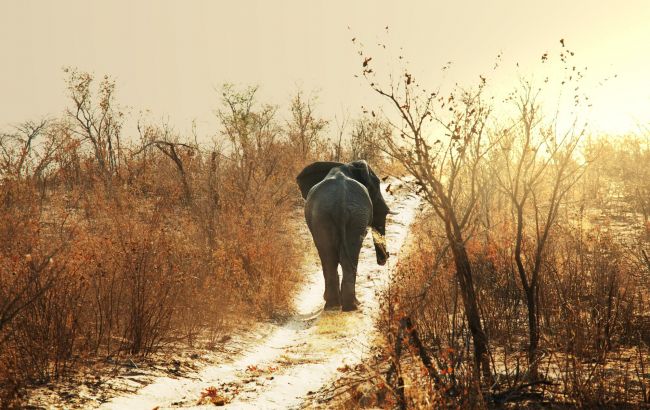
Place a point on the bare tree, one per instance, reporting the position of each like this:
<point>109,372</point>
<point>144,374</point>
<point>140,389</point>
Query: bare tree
<point>167,143</point>
<point>28,152</point>
<point>304,127</point>
<point>341,125</point>
<point>366,137</point>
<point>535,169</point>
<point>98,122</point>
<point>17,148</point>
<point>440,142</point>
<point>255,138</point>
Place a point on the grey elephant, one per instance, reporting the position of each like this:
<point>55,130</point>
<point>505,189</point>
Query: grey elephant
<point>342,201</point>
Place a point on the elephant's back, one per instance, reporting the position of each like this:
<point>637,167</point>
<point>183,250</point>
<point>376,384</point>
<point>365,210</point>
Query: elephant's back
<point>338,198</point>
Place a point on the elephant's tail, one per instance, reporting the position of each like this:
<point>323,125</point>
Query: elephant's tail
<point>344,246</point>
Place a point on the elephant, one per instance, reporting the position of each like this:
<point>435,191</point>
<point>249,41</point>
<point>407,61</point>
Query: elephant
<point>341,202</point>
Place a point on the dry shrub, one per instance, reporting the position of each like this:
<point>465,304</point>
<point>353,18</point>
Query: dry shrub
<point>425,331</point>
<point>555,307</point>
<point>112,249</point>
<point>590,293</point>
<point>594,352</point>
<point>38,299</point>
<point>135,275</point>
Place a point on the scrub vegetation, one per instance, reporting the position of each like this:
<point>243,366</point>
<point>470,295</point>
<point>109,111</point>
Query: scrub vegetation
<point>115,246</point>
<point>526,280</point>
<point>525,283</point>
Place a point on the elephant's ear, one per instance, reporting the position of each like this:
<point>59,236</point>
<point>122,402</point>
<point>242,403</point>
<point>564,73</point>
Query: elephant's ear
<point>313,174</point>
<point>361,172</point>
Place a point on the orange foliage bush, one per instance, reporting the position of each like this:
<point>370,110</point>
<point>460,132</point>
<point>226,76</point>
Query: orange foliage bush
<point>593,310</point>
<point>109,249</point>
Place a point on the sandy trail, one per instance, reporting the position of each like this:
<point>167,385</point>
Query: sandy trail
<point>300,356</point>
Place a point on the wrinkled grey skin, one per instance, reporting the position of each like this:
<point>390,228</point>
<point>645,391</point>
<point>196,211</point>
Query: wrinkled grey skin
<point>342,201</point>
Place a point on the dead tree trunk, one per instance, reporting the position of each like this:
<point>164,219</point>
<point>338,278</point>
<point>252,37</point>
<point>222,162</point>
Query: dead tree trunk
<point>470,303</point>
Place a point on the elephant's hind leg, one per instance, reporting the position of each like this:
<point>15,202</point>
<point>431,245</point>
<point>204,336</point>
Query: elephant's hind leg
<point>329,258</point>
<point>332,293</point>
<point>349,263</point>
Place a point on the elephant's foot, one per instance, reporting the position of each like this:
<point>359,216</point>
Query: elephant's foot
<point>349,300</point>
<point>332,305</point>
<point>350,307</point>
<point>332,295</point>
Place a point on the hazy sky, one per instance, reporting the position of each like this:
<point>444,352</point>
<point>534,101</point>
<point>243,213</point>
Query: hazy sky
<point>169,56</point>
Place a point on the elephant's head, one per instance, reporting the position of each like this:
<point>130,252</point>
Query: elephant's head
<point>361,172</point>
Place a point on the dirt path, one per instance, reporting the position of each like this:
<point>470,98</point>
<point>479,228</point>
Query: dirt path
<point>298,357</point>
